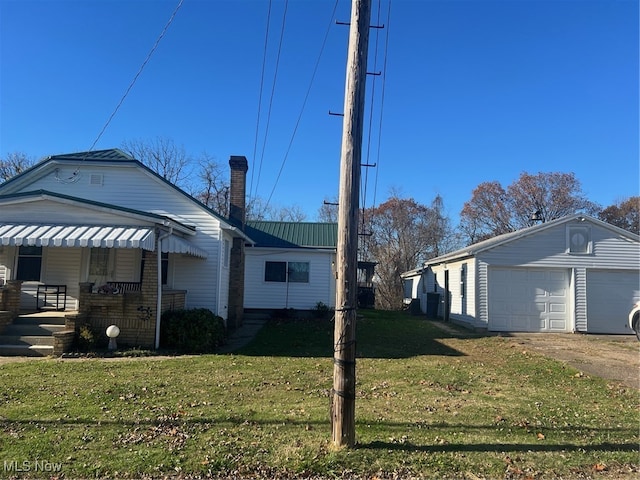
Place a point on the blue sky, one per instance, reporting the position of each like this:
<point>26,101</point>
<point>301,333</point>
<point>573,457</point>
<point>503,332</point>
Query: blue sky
<point>474,90</point>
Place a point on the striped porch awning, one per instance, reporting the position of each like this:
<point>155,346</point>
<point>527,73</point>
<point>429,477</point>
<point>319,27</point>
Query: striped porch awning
<point>175,244</point>
<point>93,236</point>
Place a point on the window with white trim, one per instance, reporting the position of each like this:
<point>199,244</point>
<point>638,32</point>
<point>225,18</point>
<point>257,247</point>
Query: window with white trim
<point>579,239</point>
<point>226,252</point>
<point>298,272</point>
<point>292,272</point>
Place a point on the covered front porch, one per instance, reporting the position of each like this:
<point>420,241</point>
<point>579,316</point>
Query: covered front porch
<point>112,277</point>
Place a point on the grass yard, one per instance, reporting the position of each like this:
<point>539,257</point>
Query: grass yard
<point>429,405</point>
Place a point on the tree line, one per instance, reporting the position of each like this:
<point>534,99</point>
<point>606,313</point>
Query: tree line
<point>399,234</point>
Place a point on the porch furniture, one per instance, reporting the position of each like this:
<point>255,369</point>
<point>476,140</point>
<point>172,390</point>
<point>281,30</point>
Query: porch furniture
<point>124,287</point>
<point>48,292</point>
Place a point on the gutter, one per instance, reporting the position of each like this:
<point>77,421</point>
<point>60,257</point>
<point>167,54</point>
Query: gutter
<point>159,239</point>
<point>238,233</point>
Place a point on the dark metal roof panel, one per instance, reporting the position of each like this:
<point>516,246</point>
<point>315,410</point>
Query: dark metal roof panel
<point>102,155</point>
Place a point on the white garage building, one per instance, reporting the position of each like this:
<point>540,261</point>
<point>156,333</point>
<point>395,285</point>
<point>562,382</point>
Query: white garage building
<point>574,274</point>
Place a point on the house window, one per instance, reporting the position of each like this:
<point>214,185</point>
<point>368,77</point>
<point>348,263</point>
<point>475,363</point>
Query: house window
<point>29,263</point>
<point>99,262</point>
<point>226,252</point>
<point>579,239</point>
<point>298,272</point>
<point>275,272</point>
<point>408,287</point>
<point>293,272</point>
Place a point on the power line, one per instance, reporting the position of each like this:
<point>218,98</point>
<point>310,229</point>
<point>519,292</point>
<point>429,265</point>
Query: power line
<point>273,89</point>
<point>304,103</point>
<point>153,49</point>
<point>365,181</point>
<point>384,82</point>
<point>264,63</point>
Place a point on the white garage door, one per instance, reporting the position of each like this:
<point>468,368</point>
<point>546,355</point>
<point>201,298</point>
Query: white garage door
<point>529,300</point>
<point>610,296</point>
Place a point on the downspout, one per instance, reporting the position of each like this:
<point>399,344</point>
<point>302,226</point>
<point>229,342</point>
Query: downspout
<point>159,282</point>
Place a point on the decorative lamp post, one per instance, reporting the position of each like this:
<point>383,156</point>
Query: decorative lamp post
<point>112,332</point>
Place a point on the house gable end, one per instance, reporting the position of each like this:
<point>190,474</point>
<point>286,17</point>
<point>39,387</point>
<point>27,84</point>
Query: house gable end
<point>66,172</point>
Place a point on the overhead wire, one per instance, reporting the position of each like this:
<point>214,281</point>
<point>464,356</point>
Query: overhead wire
<point>137,75</point>
<point>264,64</point>
<point>384,83</point>
<point>273,88</point>
<point>364,181</point>
<point>304,103</point>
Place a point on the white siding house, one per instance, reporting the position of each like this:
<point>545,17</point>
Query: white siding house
<point>93,217</point>
<point>574,274</point>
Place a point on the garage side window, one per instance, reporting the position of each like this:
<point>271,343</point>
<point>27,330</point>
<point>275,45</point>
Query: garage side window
<point>579,239</point>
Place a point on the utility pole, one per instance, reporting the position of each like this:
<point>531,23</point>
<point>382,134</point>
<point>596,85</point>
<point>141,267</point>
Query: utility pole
<point>344,358</point>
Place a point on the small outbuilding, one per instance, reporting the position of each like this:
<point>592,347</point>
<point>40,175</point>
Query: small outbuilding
<point>573,274</point>
<point>290,265</point>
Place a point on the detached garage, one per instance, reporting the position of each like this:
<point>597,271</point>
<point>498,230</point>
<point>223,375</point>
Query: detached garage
<point>574,274</point>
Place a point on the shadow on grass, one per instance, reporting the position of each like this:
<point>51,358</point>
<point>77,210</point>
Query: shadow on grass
<point>497,448</point>
<point>406,446</point>
<point>378,335</point>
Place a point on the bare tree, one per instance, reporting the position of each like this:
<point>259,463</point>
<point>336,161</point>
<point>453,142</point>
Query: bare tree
<point>163,156</point>
<point>403,234</point>
<point>328,212</point>
<point>209,184</point>
<point>624,214</point>
<point>493,210</point>
<point>292,213</point>
<point>551,195</point>
<point>214,189</point>
<point>13,164</point>
<point>487,213</point>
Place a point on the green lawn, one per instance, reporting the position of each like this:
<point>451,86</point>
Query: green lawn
<point>428,405</point>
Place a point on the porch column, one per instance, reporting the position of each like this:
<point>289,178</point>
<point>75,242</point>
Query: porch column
<point>12,299</point>
<point>149,289</point>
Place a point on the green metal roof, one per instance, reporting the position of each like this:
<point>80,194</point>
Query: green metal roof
<point>111,154</point>
<point>293,234</point>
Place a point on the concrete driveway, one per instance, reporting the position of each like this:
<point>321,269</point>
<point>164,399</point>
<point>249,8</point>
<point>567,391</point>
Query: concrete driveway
<point>614,357</point>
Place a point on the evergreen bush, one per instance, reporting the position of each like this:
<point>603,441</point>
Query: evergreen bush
<point>195,330</point>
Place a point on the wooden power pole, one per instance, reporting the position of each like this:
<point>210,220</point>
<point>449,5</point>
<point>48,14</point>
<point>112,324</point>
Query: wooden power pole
<point>344,358</point>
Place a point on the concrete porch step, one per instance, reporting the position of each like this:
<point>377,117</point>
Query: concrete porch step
<point>31,334</point>
<point>29,340</point>
<point>39,319</point>
<point>16,329</point>
<point>25,350</point>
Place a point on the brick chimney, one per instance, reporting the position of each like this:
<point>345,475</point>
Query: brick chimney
<point>238,203</point>
<point>237,215</point>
